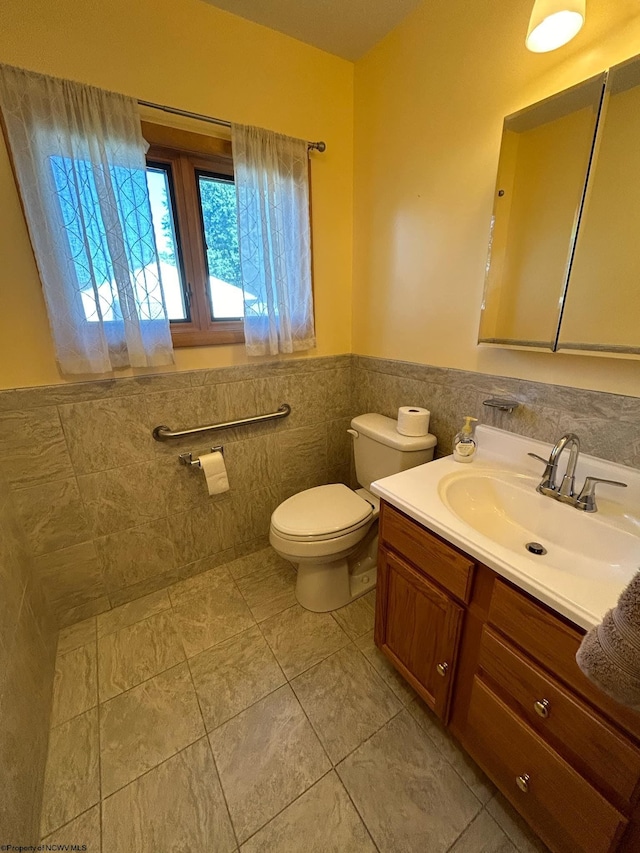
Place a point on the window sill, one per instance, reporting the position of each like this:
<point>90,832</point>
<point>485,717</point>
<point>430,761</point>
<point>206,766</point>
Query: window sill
<point>228,333</point>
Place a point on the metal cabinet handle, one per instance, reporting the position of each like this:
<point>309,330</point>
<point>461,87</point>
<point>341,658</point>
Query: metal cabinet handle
<point>523,782</point>
<point>541,707</point>
<point>442,668</point>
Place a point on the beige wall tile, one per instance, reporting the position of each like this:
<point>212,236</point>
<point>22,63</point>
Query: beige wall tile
<point>251,464</point>
<point>339,442</point>
<point>52,516</point>
<point>302,450</point>
<point>122,497</point>
<point>71,577</point>
<point>33,448</point>
<point>197,533</point>
<point>14,571</point>
<point>136,554</point>
<point>25,703</point>
<point>107,433</point>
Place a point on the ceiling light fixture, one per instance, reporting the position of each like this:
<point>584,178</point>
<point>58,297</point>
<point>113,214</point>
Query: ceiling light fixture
<point>554,23</point>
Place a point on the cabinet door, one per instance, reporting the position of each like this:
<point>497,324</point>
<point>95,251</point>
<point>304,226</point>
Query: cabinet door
<point>418,629</point>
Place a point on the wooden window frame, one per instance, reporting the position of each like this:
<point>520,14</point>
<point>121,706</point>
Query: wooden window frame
<point>187,153</point>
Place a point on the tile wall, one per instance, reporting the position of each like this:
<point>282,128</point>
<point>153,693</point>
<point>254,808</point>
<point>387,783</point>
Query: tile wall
<point>27,659</point>
<point>608,425</point>
<point>110,515</point>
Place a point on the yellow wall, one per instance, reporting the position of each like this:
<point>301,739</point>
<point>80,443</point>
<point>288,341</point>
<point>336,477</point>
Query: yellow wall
<point>188,54</point>
<point>429,104</point>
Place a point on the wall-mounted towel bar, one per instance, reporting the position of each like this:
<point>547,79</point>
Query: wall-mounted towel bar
<point>164,433</point>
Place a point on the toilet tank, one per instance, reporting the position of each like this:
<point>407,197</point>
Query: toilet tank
<point>380,450</point>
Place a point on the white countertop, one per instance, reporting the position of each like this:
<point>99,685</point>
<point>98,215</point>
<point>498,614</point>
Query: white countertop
<point>582,591</point>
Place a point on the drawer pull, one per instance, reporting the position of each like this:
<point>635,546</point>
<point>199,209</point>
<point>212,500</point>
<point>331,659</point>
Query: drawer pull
<point>442,668</point>
<point>541,707</point>
<point>523,782</point>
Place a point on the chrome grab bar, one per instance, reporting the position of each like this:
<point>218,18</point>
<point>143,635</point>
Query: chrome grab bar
<point>165,433</point>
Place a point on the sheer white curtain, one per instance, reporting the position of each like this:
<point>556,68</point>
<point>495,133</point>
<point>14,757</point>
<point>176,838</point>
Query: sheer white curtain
<point>79,158</point>
<point>272,189</point>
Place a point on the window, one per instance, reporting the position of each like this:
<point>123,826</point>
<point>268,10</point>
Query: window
<point>193,203</point>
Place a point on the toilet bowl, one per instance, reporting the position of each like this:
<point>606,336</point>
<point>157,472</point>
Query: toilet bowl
<point>320,530</point>
<point>330,533</point>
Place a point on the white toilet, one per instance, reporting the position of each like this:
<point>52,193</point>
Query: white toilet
<point>330,533</point>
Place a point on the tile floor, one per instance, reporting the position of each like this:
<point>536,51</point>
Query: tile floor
<point>219,715</point>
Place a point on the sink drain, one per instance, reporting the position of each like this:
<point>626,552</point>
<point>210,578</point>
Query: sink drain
<point>535,548</point>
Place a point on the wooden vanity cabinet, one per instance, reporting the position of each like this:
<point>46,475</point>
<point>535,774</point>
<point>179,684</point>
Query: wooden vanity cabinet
<point>419,630</point>
<point>498,667</point>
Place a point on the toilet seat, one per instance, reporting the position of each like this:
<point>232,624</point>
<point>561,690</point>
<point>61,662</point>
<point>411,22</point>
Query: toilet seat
<point>323,512</point>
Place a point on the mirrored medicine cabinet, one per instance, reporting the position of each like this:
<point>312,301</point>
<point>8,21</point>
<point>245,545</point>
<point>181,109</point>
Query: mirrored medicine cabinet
<point>563,268</point>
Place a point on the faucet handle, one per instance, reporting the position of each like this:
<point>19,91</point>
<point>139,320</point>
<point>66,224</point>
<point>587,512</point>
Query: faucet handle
<point>587,498</point>
<point>539,458</point>
<point>547,484</point>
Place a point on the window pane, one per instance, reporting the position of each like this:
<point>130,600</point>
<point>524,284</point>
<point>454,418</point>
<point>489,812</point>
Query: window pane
<point>220,230</point>
<point>166,241</point>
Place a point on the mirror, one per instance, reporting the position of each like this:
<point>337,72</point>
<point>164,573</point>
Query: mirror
<point>544,159</point>
<point>563,271</point>
<point>602,308</point>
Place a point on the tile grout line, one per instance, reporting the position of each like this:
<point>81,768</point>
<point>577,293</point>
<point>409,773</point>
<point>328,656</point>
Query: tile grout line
<point>99,717</point>
<point>213,758</point>
<point>284,808</point>
<point>155,767</point>
<point>447,759</point>
<point>462,832</point>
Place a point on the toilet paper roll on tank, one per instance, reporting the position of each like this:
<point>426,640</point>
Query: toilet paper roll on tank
<point>413,420</point>
<point>215,472</point>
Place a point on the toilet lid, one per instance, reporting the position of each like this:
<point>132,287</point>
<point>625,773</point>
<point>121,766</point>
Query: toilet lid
<point>321,511</point>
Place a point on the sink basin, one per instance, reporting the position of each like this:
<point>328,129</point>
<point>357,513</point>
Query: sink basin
<point>505,507</point>
<point>490,510</point>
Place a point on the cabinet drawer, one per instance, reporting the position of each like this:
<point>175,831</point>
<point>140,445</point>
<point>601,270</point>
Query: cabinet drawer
<point>553,643</point>
<point>567,812</point>
<point>591,745</point>
<point>448,567</point>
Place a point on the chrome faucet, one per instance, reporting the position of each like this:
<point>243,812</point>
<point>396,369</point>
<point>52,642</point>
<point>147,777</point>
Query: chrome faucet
<point>565,493</point>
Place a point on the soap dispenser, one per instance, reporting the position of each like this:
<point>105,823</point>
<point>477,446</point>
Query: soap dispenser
<point>465,444</point>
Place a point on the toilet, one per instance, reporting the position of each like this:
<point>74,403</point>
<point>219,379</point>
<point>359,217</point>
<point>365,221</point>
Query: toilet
<point>330,533</point>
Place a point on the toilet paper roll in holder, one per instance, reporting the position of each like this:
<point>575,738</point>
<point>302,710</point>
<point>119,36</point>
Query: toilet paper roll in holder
<point>187,458</point>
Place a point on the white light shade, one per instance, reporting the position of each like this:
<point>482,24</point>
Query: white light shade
<point>554,23</point>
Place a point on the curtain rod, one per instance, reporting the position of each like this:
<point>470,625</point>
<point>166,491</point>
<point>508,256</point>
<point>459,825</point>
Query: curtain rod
<point>318,146</point>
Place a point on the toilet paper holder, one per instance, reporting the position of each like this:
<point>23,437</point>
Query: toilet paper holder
<point>187,458</point>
